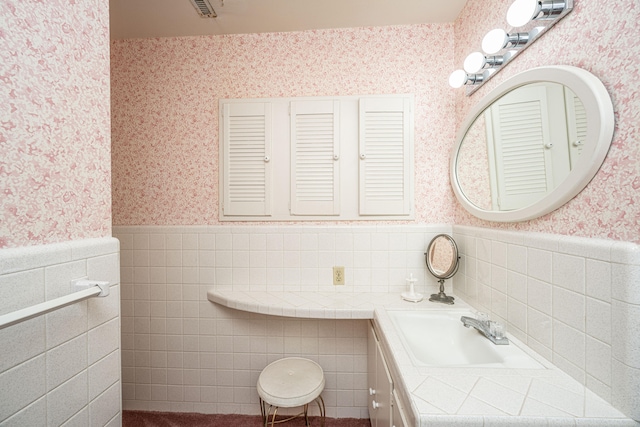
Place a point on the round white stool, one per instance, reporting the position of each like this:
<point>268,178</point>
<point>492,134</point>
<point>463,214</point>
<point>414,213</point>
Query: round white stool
<point>289,383</point>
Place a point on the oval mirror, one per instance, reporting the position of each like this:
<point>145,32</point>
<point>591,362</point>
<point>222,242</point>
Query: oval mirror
<point>532,144</point>
<point>442,261</point>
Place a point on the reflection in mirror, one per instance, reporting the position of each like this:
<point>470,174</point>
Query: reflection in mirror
<point>442,261</point>
<point>532,144</point>
<point>521,147</point>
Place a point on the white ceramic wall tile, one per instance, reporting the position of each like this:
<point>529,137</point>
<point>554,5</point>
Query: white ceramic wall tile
<point>539,327</point>
<point>517,258</point>
<point>569,307</point>
<point>22,385</point>
<point>375,258</point>
<point>21,342</point>
<point>539,264</point>
<point>540,295</point>
<point>517,286</point>
<point>33,415</point>
<point>569,343</point>
<point>587,248</point>
<point>626,382</point>
<point>570,286</point>
<point>622,274</point>
<point>598,320</point>
<point>21,289</point>
<point>626,333</point>
<point>598,360</point>
<point>483,249</point>
<point>67,399</point>
<point>598,280</point>
<point>66,323</point>
<point>103,409</point>
<point>66,361</point>
<point>569,272</point>
<point>499,253</point>
<point>64,368</point>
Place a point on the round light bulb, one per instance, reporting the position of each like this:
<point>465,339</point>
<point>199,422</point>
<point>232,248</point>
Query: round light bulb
<point>494,41</point>
<point>457,79</point>
<point>522,11</point>
<point>474,62</point>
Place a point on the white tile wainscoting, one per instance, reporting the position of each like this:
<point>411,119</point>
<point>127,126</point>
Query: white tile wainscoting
<point>183,353</point>
<point>575,301</point>
<point>60,368</point>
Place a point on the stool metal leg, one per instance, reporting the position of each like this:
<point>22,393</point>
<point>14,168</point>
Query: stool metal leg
<point>265,409</point>
<point>273,418</point>
<point>320,402</point>
<point>306,414</point>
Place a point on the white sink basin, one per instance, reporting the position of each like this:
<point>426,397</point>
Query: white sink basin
<point>438,339</point>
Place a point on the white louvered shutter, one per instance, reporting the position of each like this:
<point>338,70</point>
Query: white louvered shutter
<point>385,156</point>
<point>315,157</point>
<point>247,168</point>
<point>576,125</point>
<point>522,148</point>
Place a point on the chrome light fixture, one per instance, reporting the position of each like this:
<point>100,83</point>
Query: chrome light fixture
<point>521,12</point>
<point>460,78</point>
<point>477,61</point>
<point>532,18</point>
<point>498,39</point>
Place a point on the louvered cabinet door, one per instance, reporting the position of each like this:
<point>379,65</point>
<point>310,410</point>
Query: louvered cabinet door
<point>385,151</point>
<point>246,148</point>
<point>315,158</point>
<point>522,145</point>
<point>576,125</point>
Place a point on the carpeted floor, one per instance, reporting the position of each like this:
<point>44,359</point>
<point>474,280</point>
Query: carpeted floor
<point>177,419</point>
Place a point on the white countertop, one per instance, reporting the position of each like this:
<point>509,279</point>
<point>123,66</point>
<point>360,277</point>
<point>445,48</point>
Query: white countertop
<point>483,397</point>
<point>314,305</point>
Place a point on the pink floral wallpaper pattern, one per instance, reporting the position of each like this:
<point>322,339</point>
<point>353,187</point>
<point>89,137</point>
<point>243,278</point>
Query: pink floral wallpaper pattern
<point>55,180</point>
<point>165,94</point>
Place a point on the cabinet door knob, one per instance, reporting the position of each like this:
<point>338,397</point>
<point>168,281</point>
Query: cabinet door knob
<point>372,391</point>
<point>375,404</point>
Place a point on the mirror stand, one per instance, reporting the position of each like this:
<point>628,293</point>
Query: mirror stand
<point>441,296</point>
<point>442,261</point>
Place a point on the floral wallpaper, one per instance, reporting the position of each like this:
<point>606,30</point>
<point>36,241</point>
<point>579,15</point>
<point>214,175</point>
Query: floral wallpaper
<point>55,181</point>
<point>165,97</point>
<point>598,41</point>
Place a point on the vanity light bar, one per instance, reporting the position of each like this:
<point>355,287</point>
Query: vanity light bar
<point>532,18</point>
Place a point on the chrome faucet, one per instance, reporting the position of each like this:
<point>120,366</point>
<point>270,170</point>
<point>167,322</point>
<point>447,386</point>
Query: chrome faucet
<point>494,331</point>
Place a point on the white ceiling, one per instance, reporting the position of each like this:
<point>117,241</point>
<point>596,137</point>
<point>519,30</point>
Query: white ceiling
<point>176,18</point>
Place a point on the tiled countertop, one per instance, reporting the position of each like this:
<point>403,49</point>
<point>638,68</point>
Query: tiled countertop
<point>315,305</point>
<point>483,397</point>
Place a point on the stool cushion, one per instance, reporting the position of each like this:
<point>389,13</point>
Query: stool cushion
<point>290,382</point>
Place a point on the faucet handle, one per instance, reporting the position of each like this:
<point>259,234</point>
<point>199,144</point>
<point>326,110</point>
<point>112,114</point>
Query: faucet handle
<point>497,329</point>
<point>482,317</point>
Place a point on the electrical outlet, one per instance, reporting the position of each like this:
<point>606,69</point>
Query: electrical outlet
<point>338,275</point>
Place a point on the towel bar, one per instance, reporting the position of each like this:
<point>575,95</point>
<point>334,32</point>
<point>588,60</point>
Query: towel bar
<point>90,288</point>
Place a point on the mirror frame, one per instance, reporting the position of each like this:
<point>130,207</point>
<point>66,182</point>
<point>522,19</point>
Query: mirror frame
<point>455,261</point>
<point>600,128</point>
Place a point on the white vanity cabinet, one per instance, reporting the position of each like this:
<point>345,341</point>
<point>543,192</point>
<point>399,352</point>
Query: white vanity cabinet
<point>384,411</point>
<point>397,415</point>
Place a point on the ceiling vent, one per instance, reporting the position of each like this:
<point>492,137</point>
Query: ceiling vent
<point>204,8</point>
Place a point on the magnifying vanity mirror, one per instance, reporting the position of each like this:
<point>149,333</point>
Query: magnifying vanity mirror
<point>532,144</point>
<point>442,261</point>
